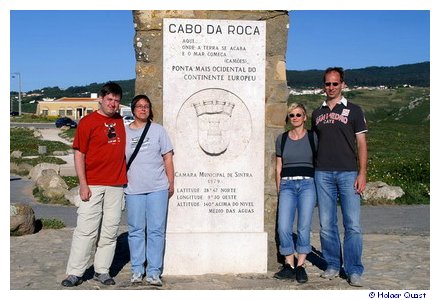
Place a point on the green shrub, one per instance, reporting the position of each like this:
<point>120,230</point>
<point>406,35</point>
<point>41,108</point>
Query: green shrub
<point>52,223</point>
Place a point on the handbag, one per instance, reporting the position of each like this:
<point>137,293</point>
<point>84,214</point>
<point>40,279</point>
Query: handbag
<point>139,144</point>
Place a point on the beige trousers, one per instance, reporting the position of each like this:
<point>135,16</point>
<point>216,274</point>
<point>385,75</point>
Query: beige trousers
<point>98,220</point>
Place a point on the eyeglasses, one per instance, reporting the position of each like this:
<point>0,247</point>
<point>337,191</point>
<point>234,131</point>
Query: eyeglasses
<point>295,115</point>
<point>331,83</point>
<point>142,106</point>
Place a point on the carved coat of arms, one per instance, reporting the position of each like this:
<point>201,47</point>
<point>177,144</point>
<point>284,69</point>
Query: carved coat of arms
<point>214,124</point>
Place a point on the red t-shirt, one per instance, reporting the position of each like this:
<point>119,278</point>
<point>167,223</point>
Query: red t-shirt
<point>102,140</point>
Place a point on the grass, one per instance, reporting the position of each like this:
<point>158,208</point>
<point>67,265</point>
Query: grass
<point>398,157</point>
<point>23,139</point>
<point>38,160</point>
<point>398,137</point>
<point>71,181</point>
<point>68,134</point>
<point>52,223</point>
<point>31,118</point>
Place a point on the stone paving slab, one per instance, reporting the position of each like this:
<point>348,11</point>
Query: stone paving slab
<point>392,262</point>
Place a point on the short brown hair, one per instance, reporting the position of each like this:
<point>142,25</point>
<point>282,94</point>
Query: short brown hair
<point>334,69</point>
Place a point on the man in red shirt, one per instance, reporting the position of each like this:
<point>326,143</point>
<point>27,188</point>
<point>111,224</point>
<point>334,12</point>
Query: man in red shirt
<point>99,156</point>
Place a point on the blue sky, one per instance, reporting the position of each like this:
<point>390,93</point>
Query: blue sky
<point>357,39</point>
<point>67,48</point>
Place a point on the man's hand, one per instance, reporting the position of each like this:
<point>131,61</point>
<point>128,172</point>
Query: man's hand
<point>360,183</point>
<point>84,192</point>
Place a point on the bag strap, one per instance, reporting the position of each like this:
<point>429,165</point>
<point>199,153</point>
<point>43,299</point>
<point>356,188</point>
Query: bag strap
<point>283,142</point>
<point>139,144</point>
<point>312,144</point>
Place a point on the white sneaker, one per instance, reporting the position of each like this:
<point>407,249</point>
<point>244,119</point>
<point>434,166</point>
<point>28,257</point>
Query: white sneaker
<point>154,281</point>
<point>136,278</point>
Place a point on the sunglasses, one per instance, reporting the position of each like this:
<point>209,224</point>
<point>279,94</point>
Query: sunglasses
<point>331,83</point>
<point>295,115</point>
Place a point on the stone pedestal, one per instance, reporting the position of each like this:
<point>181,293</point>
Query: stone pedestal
<point>216,253</point>
<point>214,112</point>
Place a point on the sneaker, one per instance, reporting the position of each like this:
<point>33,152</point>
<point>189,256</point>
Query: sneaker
<point>330,274</point>
<point>136,278</point>
<point>104,278</point>
<point>355,280</point>
<point>301,274</point>
<point>154,281</point>
<point>71,281</point>
<point>286,273</point>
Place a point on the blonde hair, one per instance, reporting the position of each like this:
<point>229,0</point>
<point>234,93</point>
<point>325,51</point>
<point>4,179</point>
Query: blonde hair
<point>292,106</point>
<point>296,105</point>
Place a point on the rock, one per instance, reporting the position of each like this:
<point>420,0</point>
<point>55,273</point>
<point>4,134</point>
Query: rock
<point>42,150</point>
<point>35,172</point>
<point>16,154</point>
<point>22,219</point>
<point>37,133</point>
<point>379,190</point>
<point>59,153</point>
<point>20,169</point>
<point>54,193</point>
<point>49,179</point>
<point>73,196</point>
<point>13,168</point>
<point>51,185</point>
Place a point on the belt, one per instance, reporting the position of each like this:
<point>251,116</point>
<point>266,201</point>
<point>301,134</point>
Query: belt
<point>295,177</point>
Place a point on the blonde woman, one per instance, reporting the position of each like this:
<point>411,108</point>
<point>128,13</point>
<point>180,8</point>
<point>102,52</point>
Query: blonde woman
<point>296,192</point>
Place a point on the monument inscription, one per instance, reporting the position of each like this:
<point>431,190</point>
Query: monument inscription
<point>213,108</point>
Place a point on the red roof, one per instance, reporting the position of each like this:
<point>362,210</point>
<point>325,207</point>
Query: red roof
<point>66,99</point>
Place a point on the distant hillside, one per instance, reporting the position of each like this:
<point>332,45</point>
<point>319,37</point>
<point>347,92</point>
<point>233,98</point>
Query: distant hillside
<point>413,74</point>
<point>80,91</point>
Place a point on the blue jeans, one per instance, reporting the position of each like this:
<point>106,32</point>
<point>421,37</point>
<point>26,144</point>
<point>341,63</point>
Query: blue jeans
<point>295,195</point>
<point>330,185</point>
<point>146,217</point>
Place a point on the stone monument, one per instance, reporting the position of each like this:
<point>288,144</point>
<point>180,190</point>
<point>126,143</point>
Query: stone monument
<point>219,107</point>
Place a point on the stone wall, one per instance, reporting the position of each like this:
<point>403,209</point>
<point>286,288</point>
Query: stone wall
<point>149,62</point>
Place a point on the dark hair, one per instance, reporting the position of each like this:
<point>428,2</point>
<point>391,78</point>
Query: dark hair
<point>334,69</point>
<point>136,99</point>
<point>110,88</point>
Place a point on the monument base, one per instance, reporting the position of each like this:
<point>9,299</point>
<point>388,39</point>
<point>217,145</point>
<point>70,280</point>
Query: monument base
<point>215,253</point>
